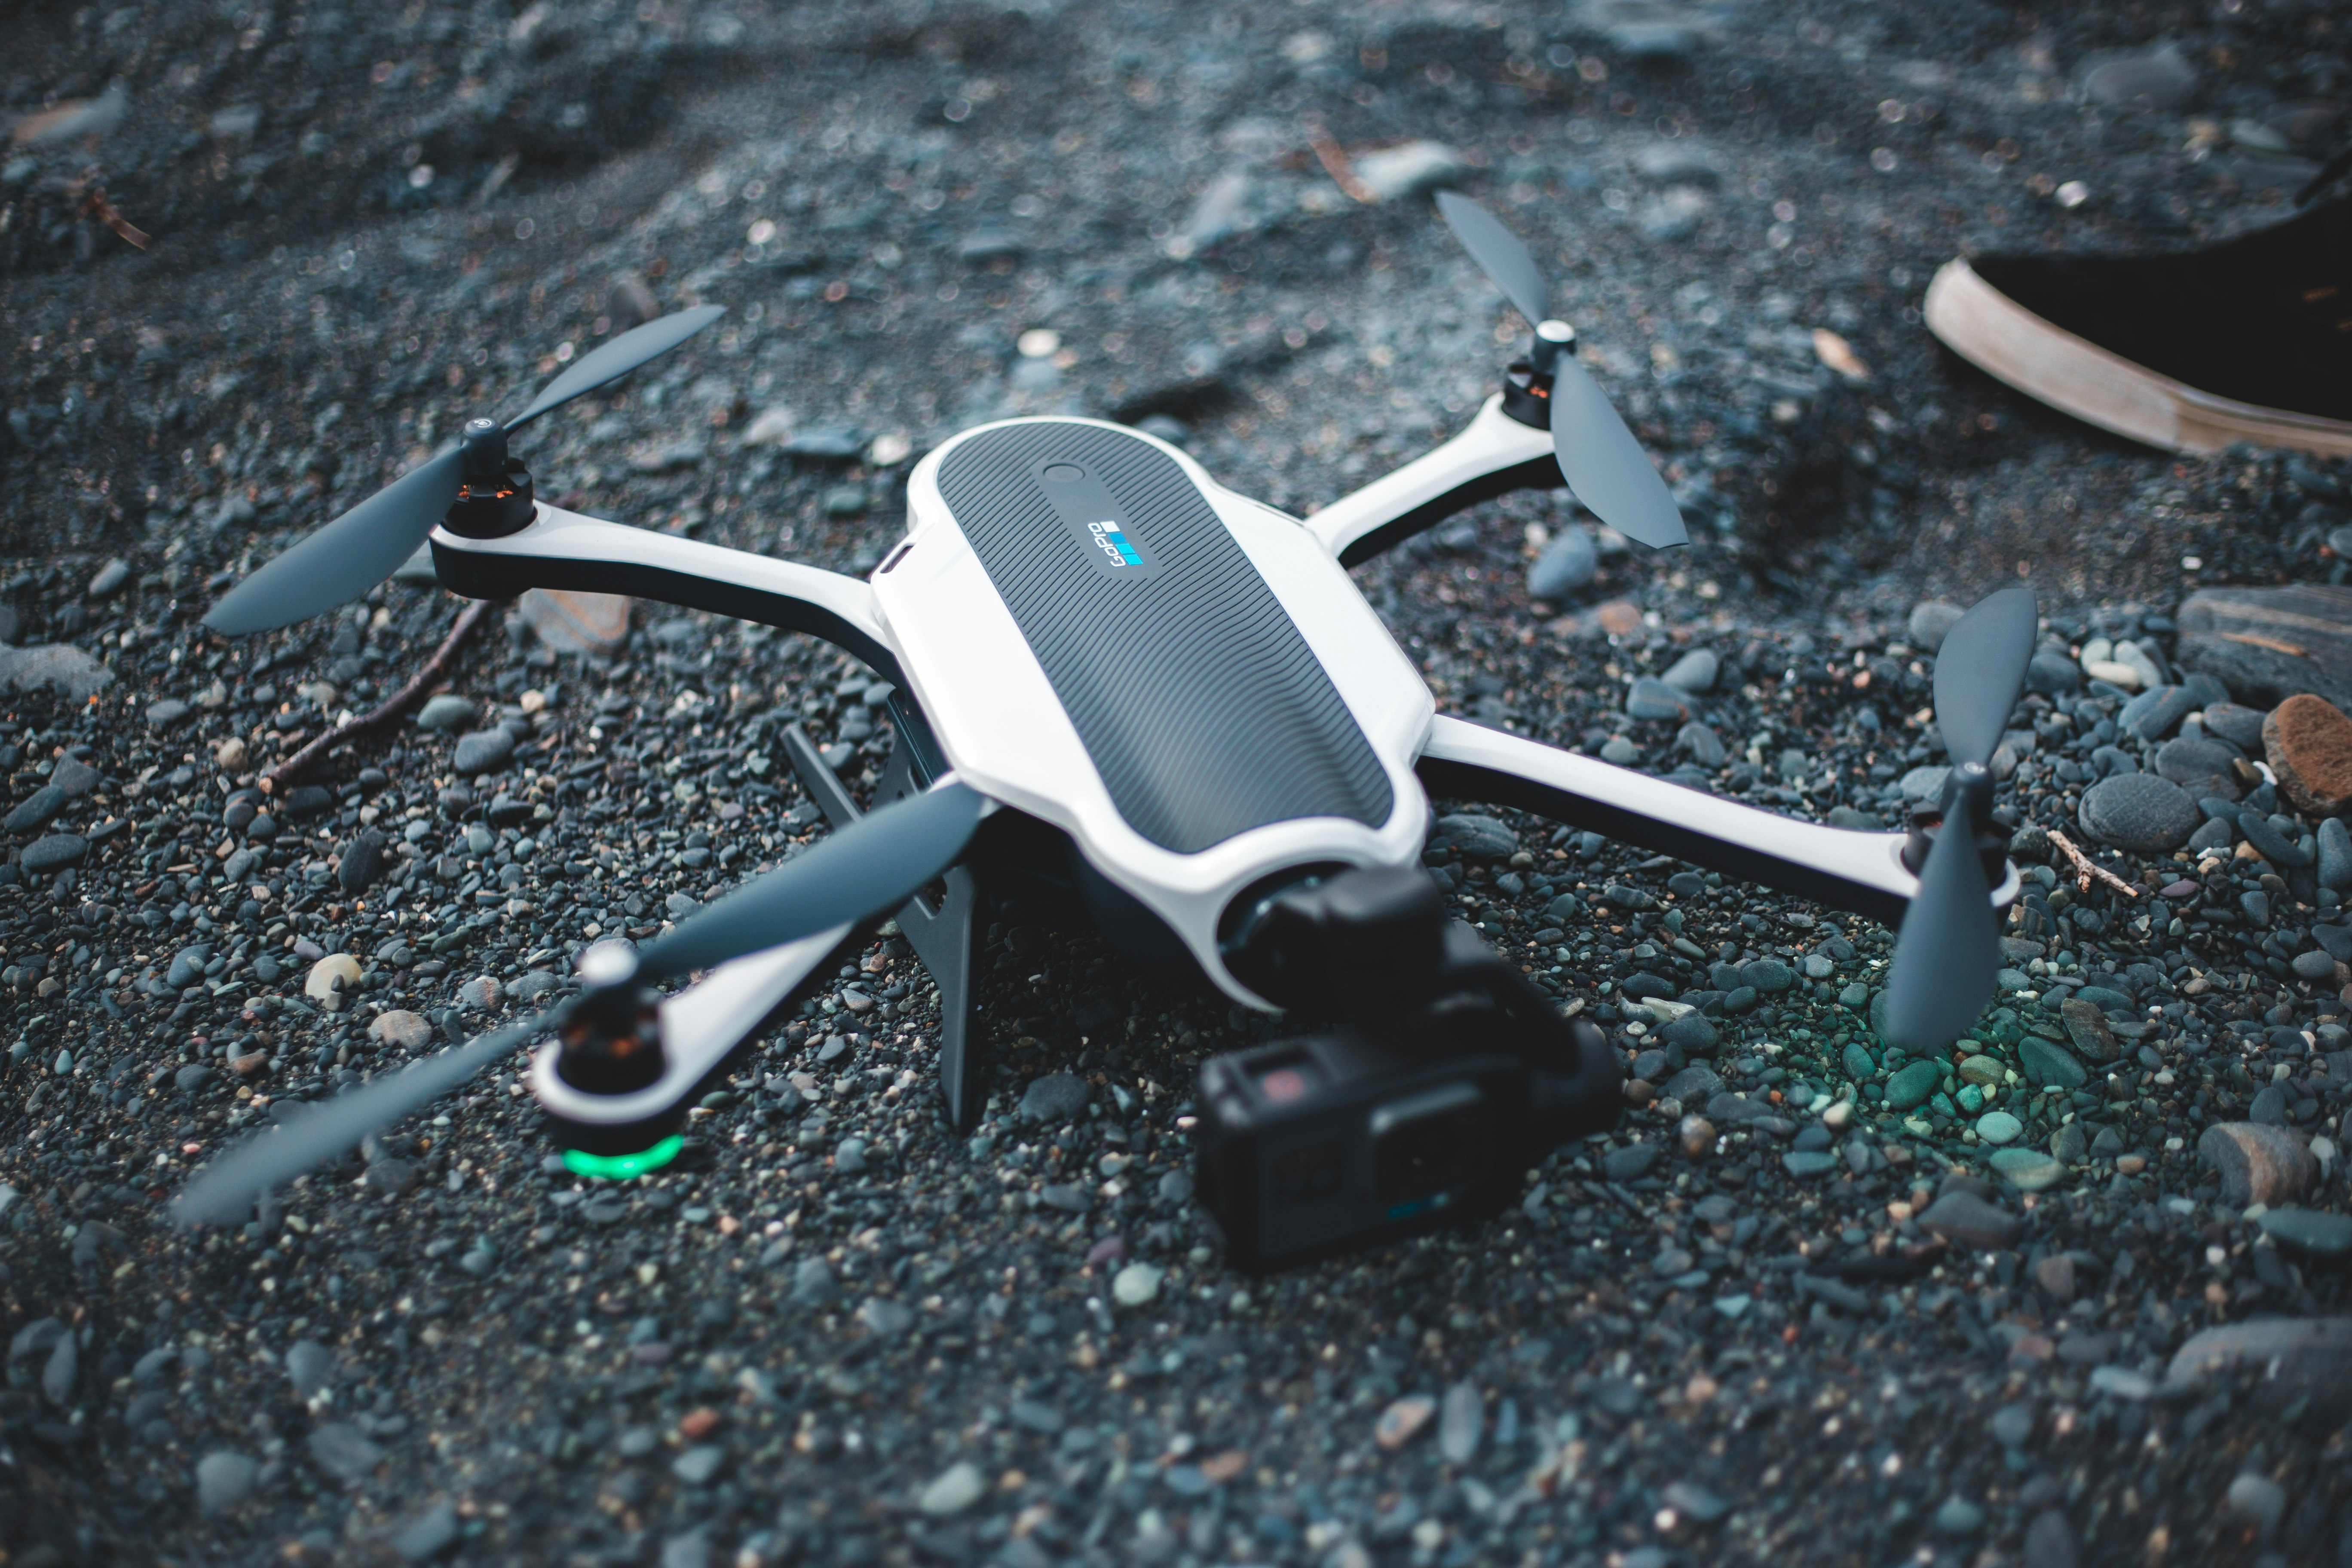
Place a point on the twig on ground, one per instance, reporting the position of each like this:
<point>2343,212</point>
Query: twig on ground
<point>1336,163</point>
<point>2085,869</point>
<point>418,685</point>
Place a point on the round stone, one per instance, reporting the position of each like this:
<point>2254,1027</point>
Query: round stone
<point>2139,812</point>
<point>1998,1127</point>
<point>954,1489</point>
<point>333,979</point>
<point>1136,1285</point>
<point>1568,564</point>
<point>2028,1170</point>
<point>224,1480</point>
<point>54,853</point>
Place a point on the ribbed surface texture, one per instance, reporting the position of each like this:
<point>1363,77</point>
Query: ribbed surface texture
<point>1202,708</point>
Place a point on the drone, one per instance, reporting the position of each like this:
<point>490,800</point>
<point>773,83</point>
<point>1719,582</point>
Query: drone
<point>1167,703</point>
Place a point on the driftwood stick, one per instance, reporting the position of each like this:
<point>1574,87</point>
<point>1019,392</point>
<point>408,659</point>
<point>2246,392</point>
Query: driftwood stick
<point>2085,869</point>
<point>418,685</point>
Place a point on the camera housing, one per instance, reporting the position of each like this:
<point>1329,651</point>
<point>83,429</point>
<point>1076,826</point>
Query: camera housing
<point>1449,1075</point>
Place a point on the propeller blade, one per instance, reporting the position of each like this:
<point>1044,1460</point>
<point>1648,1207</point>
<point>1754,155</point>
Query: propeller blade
<point>345,558</point>
<point>225,1192</point>
<point>1499,254</point>
<point>1981,672</point>
<point>1605,466</point>
<point>618,358</point>
<point>1948,948</point>
<point>876,863</point>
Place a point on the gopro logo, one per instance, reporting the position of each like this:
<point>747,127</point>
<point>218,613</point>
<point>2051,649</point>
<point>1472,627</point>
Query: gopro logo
<point>1113,543</point>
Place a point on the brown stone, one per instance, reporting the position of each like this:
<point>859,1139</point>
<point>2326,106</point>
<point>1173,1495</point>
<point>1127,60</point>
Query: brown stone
<point>1698,1135</point>
<point>2258,1164</point>
<point>572,622</point>
<point>1402,1421</point>
<point>2309,742</point>
<point>1619,618</point>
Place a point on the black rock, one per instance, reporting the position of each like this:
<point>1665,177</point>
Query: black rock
<point>37,810</point>
<point>1057,1097</point>
<point>54,853</point>
<point>482,751</point>
<point>363,863</point>
<point>305,801</point>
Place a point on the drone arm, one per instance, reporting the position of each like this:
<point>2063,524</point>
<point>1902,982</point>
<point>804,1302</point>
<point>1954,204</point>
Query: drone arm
<point>700,1028</point>
<point>1845,867</point>
<point>565,550</point>
<point>1496,455</point>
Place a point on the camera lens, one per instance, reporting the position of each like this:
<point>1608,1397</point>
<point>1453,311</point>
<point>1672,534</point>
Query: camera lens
<point>1427,1148</point>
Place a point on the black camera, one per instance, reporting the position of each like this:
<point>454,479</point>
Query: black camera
<point>1447,1075</point>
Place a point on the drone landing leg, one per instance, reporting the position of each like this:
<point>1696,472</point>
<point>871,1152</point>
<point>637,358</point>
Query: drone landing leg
<point>943,937</point>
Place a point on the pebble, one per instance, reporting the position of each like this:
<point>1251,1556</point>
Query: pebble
<point>952,1490</point>
<point>1631,1163</point>
<point>480,994</point>
<point>432,1534</point>
<point>1696,1135</point>
<point>698,1466</point>
<point>2028,1170</point>
<point>813,1283</point>
<point>2335,854</point>
<point>225,1479</point>
<point>1567,563</point>
<point>885,1318</point>
<point>2139,812</point>
<point>2313,1231</point>
<point>447,712</point>
<point>391,1178</point>
<point>1967,1219</point>
<point>2257,1164</point>
<point>2158,78</point>
<point>482,751</point>
<point>1402,1421</point>
<point>54,853</point>
<point>2201,767</point>
<point>402,1029</point>
<point>2000,1126</point>
<point>344,1452</point>
<point>1055,1096</point>
<point>1461,1423</point>
<point>333,982</point>
<point>1477,837</point>
<point>1137,1285</point>
<point>309,1365</point>
<point>2258,1500</point>
<point>37,810</point>
<point>1931,621</point>
<point>2307,741</point>
<point>363,863</point>
<point>1911,1085</point>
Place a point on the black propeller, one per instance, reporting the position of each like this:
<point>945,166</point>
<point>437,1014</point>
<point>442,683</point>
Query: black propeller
<point>874,864</point>
<point>1949,945</point>
<point>367,543</point>
<point>1599,457</point>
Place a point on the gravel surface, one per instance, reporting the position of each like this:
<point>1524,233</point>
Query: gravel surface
<point>2073,1292</point>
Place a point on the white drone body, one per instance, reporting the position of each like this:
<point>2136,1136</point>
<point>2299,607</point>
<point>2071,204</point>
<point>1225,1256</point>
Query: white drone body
<point>1089,630</point>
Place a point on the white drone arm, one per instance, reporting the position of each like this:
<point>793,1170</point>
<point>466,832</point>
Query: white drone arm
<point>1849,869</point>
<point>565,550</point>
<point>1494,454</point>
<point>700,1027</point>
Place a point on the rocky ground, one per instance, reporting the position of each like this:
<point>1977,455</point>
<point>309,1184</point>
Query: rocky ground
<point>1812,1299</point>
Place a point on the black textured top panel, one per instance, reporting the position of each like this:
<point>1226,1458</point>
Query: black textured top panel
<point>1202,708</point>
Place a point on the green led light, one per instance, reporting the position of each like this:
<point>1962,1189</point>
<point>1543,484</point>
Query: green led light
<point>621,1167</point>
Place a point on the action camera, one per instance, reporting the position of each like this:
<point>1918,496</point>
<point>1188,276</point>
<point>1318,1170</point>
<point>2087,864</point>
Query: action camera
<point>1448,1075</point>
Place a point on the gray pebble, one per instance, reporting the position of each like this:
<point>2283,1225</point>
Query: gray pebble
<point>1566,564</point>
<point>1930,623</point>
<point>1461,1422</point>
<point>446,712</point>
<point>363,863</point>
<point>1695,672</point>
<point>1632,1161</point>
<point>482,751</point>
<point>37,809</point>
<point>310,1366</point>
<point>344,1452</point>
<point>54,853</point>
<point>1057,1097</point>
<point>813,1283</point>
<point>434,1532</point>
<point>224,1480</point>
<point>2139,812</point>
